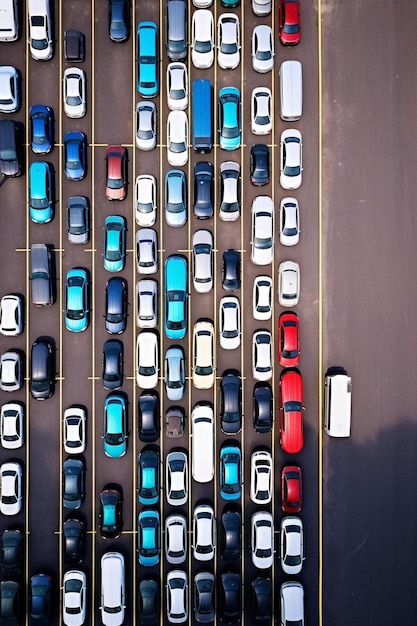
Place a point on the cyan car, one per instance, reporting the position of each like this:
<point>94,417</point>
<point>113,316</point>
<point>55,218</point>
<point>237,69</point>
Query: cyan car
<point>115,426</point>
<point>149,538</point>
<point>175,198</point>
<point>114,247</point>
<point>75,151</point>
<point>229,118</point>
<point>230,472</point>
<point>148,476</point>
<point>147,60</point>
<point>41,128</point>
<point>40,192</point>
<point>175,296</point>
<point>76,300</point>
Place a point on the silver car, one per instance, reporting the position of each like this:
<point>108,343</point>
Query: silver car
<point>11,315</point>
<point>229,191</point>
<point>262,298</point>
<point>262,539</point>
<point>292,603</point>
<point>229,320</point>
<point>262,230</point>
<point>292,545</point>
<point>177,597</point>
<point>9,89</point>
<point>74,92</point>
<point>145,200</point>
<point>291,160</point>
<point>11,371</point>
<point>11,425</point>
<point>177,86</point>
<point>146,251</point>
<point>176,478</point>
<point>147,303</point>
<point>262,49</point>
<point>74,430</point>
<point>288,283</point>
<point>174,373</point>
<point>10,488</point>
<point>228,41</point>
<point>204,532</point>
<point>175,539</point>
<point>289,222</point>
<point>146,125</point>
<point>203,261</point>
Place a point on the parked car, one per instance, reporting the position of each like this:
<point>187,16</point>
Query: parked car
<point>41,128</point>
<point>78,219</point>
<point>41,188</point>
<point>262,598</point>
<point>289,222</point>
<point>11,552</point>
<point>76,300</point>
<point>230,600</point>
<point>291,411</point>
<point>229,322</point>
<point>148,601</point>
<point>175,297</point>
<point>259,164</point>
<point>176,539</point>
<point>146,125</point>
<point>288,339</point>
<point>262,407</point>
<point>230,473</point>
<point>261,111</point>
<point>203,190</point>
<point>204,532</point>
<point>147,303</point>
<point>9,602</point>
<point>146,251</point>
<point>74,434</point>
<point>147,359</point>
<point>147,51</point>
<point>145,200</point>
<point>202,261</point>
<point>74,598</point>
<point>262,298</point>
<point>262,7</point>
<point>74,86</point>
<point>261,477</point>
<point>292,602</point>
<point>75,155</point>
<point>110,520</point>
<point>9,89</point>
<point>176,201</point>
<point>202,39</point>
<point>229,118</point>
<point>289,22</point>
<point>73,489</point>
<point>175,373</point>
<point>40,30</point>
<point>149,538</point>
<point>230,184</point>
<point>262,355</point>
<point>11,371</point>
<point>40,599</point>
<point>291,489</point>
<point>10,488</point>
<point>177,596</point>
<point>262,230</point>
<point>73,540</point>
<point>292,545</point>
<point>177,138</point>
<point>203,354</point>
<point>114,243</point>
<point>148,410</point>
<point>262,48</point>
<point>112,595</point>
<point>176,478</point>
<point>231,534</point>
<point>288,283</point>
<point>262,539</point>
<point>119,18</point>
<point>42,369</point>
<point>231,402</point>
<point>149,483</point>
<point>11,315</point>
<point>228,41</point>
<point>231,270</point>
<point>204,597</point>
<point>116,173</point>
<point>291,163</point>
<point>174,419</point>
<point>177,86</point>
<point>115,310</point>
<point>112,369</point>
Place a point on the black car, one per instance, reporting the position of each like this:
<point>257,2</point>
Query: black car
<point>148,476</point>
<point>149,602</point>
<point>148,405</point>
<point>115,305</point>
<point>42,369</point>
<point>9,603</point>
<point>262,598</point>
<point>231,270</point>
<point>262,408</point>
<point>204,597</point>
<point>78,219</point>
<point>73,484</point>
<point>230,602</point>
<point>39,600</point>
<point>74,540</point>
<point>231,402</point>
<point>118,20</point>
<point>259,164</point>
<point>110,512</point>
<point>112,364</point>
<point>203,190</point>
<point>11,552</point>
<point>230,534</point>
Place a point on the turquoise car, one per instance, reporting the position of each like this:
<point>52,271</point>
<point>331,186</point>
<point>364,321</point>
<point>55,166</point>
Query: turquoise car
<point>114,247</point>
<point>148,476</point>
<point>76,300</point>
<point>175,296</point>
<point>40,192</point>
<point>115,426</point>
<point>230,473</point>
<point>229,118</point>
<point>149,538</point>
<point>147,60</point>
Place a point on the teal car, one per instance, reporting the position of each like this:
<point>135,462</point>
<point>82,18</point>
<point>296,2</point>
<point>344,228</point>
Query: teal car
<point>175,296</point>
<point>149,538</point>
<point>147,60</point>
<point>148,476</point>
<point>40,192</point>
<point>76,300</point>
<point>230,473</point>
<point>229,118</point>
<point>114,247</point>
<point>115,426</point>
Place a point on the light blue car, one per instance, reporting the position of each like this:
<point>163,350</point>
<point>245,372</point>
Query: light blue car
<point>230,473</point>
<point>114,247</point>
<point>115,426</point>
<point>149,538</point>
<point>229,118</point>
<point>175,296</point>
<point>147,60</point>
<point>40,192</point>
<point>76,300</point>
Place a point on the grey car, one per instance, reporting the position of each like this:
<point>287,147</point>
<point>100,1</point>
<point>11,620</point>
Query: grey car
<point>146,251</point>
<point>147,303</point>
<point>73,483</point>
<point>175,198</point>
<point>174,373</point>
<point>78,219</point>
<point>204,597</point>
<point>203,261</point>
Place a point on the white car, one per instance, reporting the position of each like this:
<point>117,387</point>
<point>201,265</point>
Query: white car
<point>203,261</point>
<point>229,191</point>
<point>228,41</point>
<point>204,532</point>
<point>145,200</point>
<point>146,122</point>
<point>74,598</point>
<point>147,360</point>
<point>177,138</point>
<point>292,545</point>
<point>229,320</point>
<point>288,283</point>
<point>146,251</point>
<point>177,596</point>
<point>176,478</point>
<point>262,7</point>
<point>40,30</point>
<point>11,425</point>
<point>291,160</point>
<point>262,49</point>
<point>177,86</point>
<point>203,355</point>
<point>112,601</point>
<point>146,303</point>
<point>262,230</point>
<point>262,539</point>
<point>289,222</point>
<point>175,539</point>
<point>261,477</point>
<point>74,92</point>
<point>11,371</point>
<point>10,488</point>
<point>262,298</point>
<point>9,89</point>
<point>292,603</point>
<point>11,315</point>
<point>202,4</point>
<point>202,39</point>
<point>261,111</point>
<point>262,355</point>
<point>74,430</point>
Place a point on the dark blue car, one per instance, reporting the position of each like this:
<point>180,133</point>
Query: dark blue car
<point>41,128</point>
<point>75,155</point>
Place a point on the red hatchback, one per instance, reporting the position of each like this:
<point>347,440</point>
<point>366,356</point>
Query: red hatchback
<point>291,489</point>
<point>116,173</point>
<point>291,411</point>
<point>288,339</point>
<point>289,22</point>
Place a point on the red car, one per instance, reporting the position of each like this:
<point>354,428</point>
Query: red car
<point>291,411</point>
<point>291,489</point>
<point>288,339</point>
<point>289,22</point>
<point>116,173</point>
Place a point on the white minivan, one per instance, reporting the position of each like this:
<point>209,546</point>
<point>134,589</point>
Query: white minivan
<point>112,604</point>
<point>202,442</point>
<point>291,90</point>
<point>337,402</point>
<point>9,23</point>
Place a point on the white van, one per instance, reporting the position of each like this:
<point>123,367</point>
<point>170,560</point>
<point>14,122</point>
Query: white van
<point>337,402</point>
<point>8,20</point>
<point>202,442</point>
<point>112,604</point>
<point>291,90</point>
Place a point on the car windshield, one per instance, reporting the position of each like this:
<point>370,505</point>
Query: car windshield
<point>202,46</point>
<point>263,244</point>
